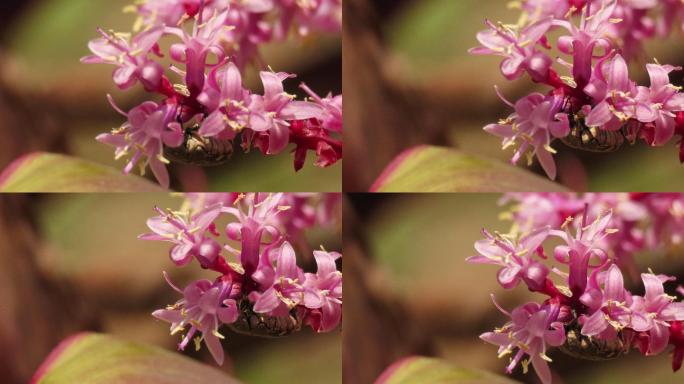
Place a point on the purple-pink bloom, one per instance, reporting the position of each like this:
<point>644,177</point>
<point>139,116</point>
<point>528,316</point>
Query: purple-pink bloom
<point>323,293</point>
<point>608,307</point>
<point>515,258</point>
<point>580,249</point>
<point>613,95</point>
<point>199,201</point>
<point>517,47</point>
<point>206,38</point>
<point>257,225</point>
<point>658,103</point>
<point>653,311</point>
<point>272,112</point>
<point>149,127</point>
<point>282,286</point>
<point>130,57</point>
<point>163,12</point>
<point>595,303</point>
<point>331,109</point>
<point>584,40</point>
<point>205,306</point>
<point>532,328</point>
<point>537,121</point>
<point>321,15</point>
<point>228,101</point>
<point>225,36</point>
<point>188,234</point>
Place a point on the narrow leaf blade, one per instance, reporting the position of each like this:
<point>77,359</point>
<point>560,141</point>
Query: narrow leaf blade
<point>46,172</point>
<point>435,169</point>
<point>423,370</point>
<point>101,359</point>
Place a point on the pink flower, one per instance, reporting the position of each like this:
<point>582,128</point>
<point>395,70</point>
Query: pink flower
<point>130,57</point>
<point>591,294</point>
<point>532,328</point>
<point>150,126</point>
<point>187,233</point>
<point>225,36</point>
<point>599,92</point>
<point>164,12</point>
<point>331,109</point>
<point>225,96</point>
<point>282,285</point>
<point>536,210</point>
<point>653,312</point>
<point>206,39</point>
<point>250,28</point>
<point>323,293</point>
<point>613,95</point>
<point>659,103</point>
<point>205,307</point>
<point>265,279</point>
<point>636,25</point>
<point>199,201</point>
<point>258,224</point>
<point>666,211</point>
<point>581,248</point>
<point>320,15</point>
<point>272,112</point>
<point>517,47</point>
<point>537,120</point>
<point>609,307</point>
<point>583,40</point>
<point>515,258</point>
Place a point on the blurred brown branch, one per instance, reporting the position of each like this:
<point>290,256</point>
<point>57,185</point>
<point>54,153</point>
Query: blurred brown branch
<point>27,123</point>
<point>36,312</point>
<point>378,330</point>
<point>382,116</point>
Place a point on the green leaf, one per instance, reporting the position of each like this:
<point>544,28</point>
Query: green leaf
<point>46,172</point>
<point>91,358</point>
<point>434,169</point>
<point>423,370</point>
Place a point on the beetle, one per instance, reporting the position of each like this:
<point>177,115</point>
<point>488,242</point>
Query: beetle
<point>590,348</point>
<point>200,150</point>
<point>594,139</point>
<point>257,324</point>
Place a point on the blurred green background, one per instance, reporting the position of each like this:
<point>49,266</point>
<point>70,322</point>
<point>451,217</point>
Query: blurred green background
<point>41,47</point>
<point>446,96</point>
<point>419,245</point>
<point>90,244</point>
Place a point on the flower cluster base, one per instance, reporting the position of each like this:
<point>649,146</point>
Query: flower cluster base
<point>259,289</point>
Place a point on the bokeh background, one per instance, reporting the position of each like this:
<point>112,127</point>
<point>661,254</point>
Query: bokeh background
<point>49,101</point>
<point>409,80</point>
<point>71,263</point>
<point>414,294</point>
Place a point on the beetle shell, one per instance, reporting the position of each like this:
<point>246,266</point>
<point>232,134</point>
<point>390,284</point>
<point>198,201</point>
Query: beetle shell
<point>584,347</point>
<point>256,324</point>
<point>201,151</point>
<point>593,139</point>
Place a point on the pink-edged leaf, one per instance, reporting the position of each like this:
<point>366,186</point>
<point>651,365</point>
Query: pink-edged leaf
<point>435,169</point>
<point>423,370</point>
<point>101,359</point>
<point>47,172</point>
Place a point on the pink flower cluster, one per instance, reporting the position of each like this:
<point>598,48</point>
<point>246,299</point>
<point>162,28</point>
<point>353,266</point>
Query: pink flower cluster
<point>645,221</point>
<point>596,106</point>
<point>260,288</point>
<point>587,311</point>
<point>213,41</point>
